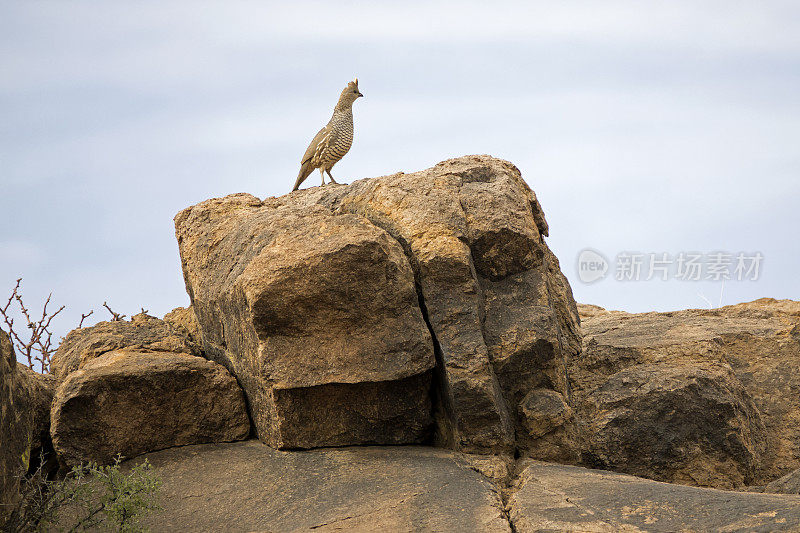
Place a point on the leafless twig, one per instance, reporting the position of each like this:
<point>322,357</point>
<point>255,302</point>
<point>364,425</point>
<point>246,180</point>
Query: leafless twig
<point>38,347</point>
<point>84,316</point>
<point>115,317</point>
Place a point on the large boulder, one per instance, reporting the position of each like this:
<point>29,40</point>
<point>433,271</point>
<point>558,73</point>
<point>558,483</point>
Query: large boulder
<point>142,333</point>
<point>717,388</point>
<point>363,284</point>
<point>316,315</point>
<point>500,311</point>
<point>693,425</point>
<point>25,398</point>
<point>129,403</point>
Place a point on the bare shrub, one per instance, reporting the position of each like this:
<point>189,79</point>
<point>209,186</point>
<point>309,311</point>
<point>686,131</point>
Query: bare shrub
<point>36,346</point>
<point>115,317</point>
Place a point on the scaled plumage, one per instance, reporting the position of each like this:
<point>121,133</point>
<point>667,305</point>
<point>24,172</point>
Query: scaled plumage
<point>333,141</point>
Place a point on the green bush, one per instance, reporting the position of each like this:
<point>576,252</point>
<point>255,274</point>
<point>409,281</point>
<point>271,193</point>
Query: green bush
<point>88,497</point>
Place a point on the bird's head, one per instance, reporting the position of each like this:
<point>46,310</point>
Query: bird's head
<point>350,93</point>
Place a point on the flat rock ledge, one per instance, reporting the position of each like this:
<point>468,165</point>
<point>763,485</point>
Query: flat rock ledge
<point>247,486</point>
<point>552,497</point>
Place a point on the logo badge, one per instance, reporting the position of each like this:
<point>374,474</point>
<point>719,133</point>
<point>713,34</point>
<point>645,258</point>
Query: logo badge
<point>592,266</point>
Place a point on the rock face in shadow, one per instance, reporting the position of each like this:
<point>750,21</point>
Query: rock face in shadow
<point>142,333</point>
<point>130,403</point>
<point>349,489</point>
<point>693,425</point>
<point>699,397</point>
<point>25,398</point>
<point>550,497</point>
<point>360,285</point>
<point>16,430</point>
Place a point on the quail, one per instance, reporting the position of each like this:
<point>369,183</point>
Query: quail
<point>334,140</point>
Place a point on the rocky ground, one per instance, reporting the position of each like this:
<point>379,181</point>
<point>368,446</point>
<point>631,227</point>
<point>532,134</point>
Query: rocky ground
<point>247,486</point>
<point>423,311</point>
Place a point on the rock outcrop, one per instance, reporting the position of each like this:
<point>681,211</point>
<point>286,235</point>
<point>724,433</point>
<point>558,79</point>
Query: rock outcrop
<point>129,403</point>
<point>142,333</point>
<point>330,294</point>
<point>25,398</point>
<point>699,397</point>
<point>415,309</point>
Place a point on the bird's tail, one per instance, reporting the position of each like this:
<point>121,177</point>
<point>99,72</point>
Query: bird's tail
<point>305,170</point>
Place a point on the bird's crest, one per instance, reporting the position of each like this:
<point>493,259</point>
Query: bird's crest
<point>353,84</point>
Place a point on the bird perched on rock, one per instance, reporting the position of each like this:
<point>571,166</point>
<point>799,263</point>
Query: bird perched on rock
<point>333,141</point>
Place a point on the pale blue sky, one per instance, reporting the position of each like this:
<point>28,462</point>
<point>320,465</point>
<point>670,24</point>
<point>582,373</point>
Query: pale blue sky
<point>642,126</point>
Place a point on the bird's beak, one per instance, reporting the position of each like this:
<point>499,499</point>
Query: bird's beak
<point>359,94</point>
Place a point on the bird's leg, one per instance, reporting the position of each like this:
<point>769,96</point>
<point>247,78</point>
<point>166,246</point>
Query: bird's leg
<point>322,175</point>
<point>330,176</point>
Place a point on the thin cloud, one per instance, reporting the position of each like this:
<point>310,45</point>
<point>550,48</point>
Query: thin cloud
<point>660,125</point>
